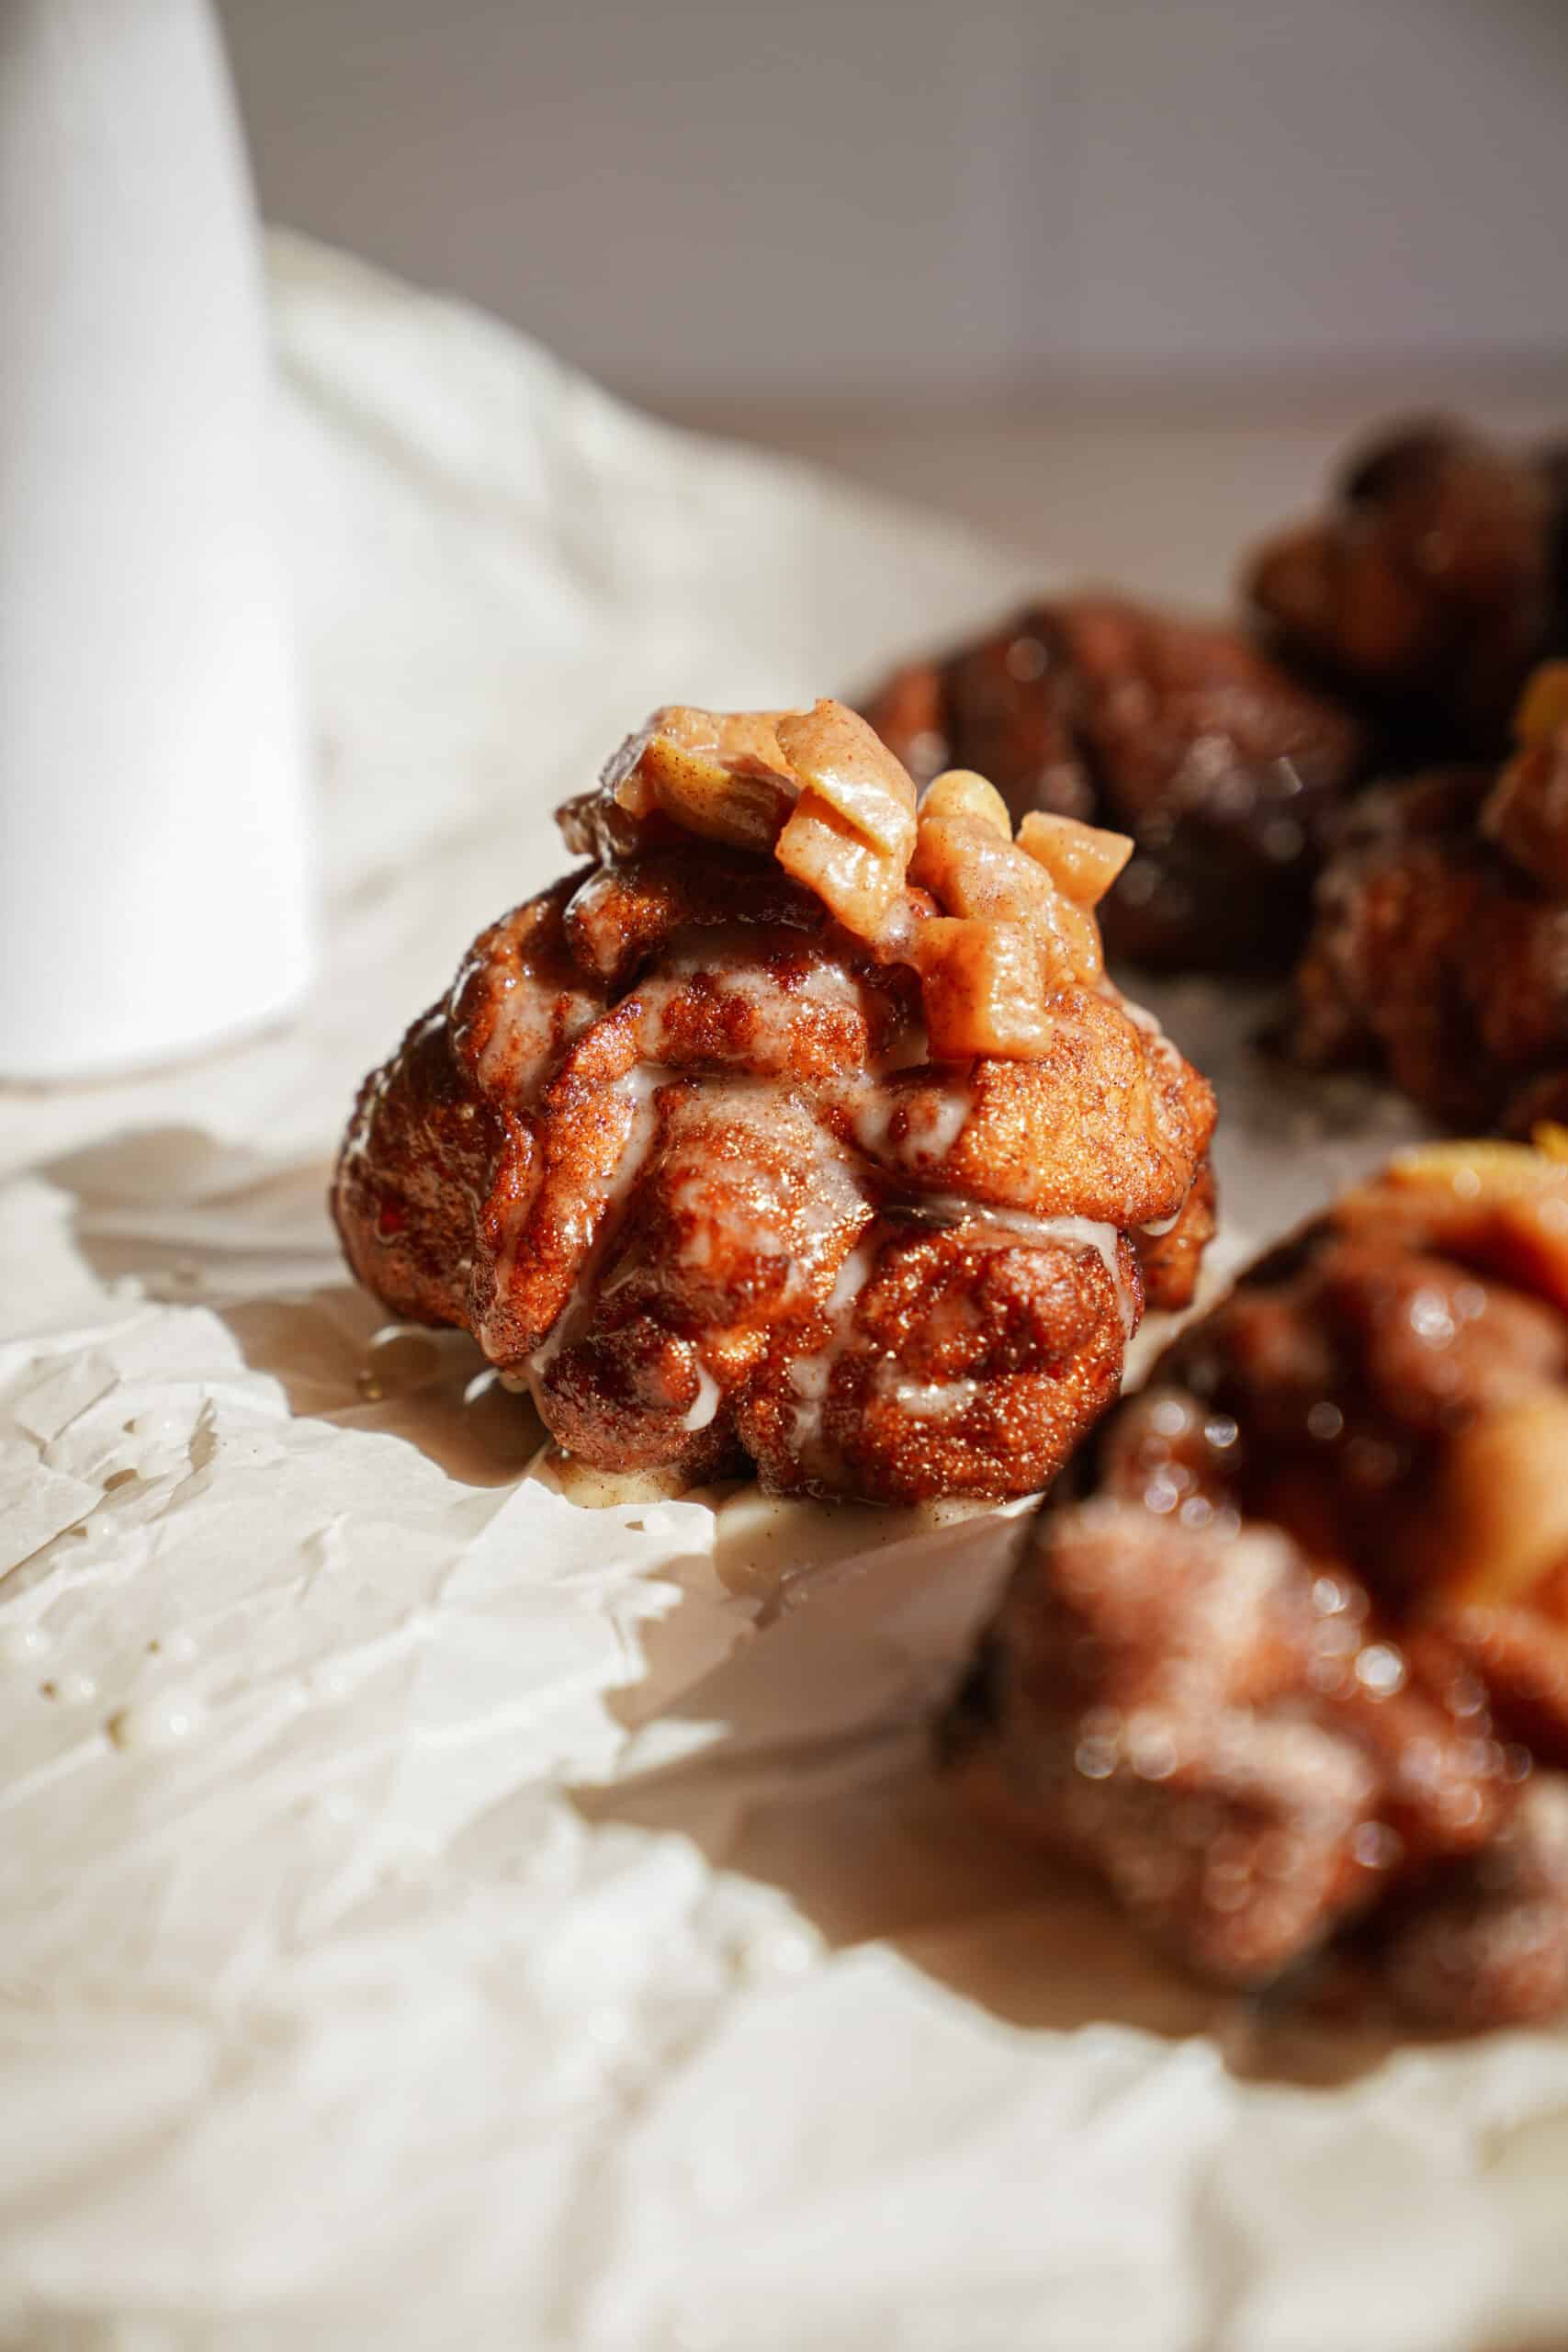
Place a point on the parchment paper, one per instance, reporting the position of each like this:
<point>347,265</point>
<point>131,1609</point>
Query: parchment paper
<point>432,1914</point>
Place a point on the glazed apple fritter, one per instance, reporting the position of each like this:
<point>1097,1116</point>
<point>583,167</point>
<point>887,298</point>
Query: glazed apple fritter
<point>1434,582</point>
<point>1221,766</point>
<point>1289,1664</point>
<point>798,1127</point>
<point>1439,950</point>
<point>1390,634</point>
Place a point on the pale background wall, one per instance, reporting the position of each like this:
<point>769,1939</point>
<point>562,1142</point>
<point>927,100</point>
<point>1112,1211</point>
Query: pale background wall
<point>865,199</point>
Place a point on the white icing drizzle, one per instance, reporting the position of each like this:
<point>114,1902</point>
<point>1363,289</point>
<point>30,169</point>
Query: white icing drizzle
<point>727,963</point>
<point>941,1110</point>
<point>755,1102</point>
<point>639,1086</point>
<point>1149,1023</point>
<point>808,1376</point>
<point>533,1025</point>
<point>1084,1233</point>
<point>779,1121</point>
<point>931,1400</point>
<point>994,1229</point>
<point>706,1404</point>
<point>1162,1226</point>
<point>935,1117</point>
<point>811,1376</point>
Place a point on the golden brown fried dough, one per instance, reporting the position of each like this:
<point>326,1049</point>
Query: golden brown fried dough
<point>1289,1667</point>
<point>1438,949</point>
<point>730,1152</point>
<point>1220,765</point>
<point>1431,586</point>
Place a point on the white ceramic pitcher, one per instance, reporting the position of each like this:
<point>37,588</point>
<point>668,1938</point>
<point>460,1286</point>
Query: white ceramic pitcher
<point>154,862</point>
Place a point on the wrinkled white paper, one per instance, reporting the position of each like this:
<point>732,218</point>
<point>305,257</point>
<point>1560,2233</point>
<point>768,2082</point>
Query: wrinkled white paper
<point>432,1914</point>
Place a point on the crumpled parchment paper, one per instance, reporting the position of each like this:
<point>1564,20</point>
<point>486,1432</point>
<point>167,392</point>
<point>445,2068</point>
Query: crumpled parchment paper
<point>432,1914</point>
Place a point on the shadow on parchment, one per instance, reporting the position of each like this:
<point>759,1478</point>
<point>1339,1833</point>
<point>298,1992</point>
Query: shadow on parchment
<point>818,1777</point>
<point>198,1223</point>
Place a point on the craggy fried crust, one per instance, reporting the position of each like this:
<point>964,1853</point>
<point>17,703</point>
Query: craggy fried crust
<point>1222,766</point>
<point>1293,1664</point>
<point>1433,583</point>
<point>673,1148</point>
<point>1439,943</point>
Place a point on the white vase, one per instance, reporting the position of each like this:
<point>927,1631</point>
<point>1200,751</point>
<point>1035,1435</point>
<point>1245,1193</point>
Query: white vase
<point>153,865</point>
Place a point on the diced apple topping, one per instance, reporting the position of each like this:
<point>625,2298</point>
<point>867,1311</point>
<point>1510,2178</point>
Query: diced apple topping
<point>851,833</point>
<point>983,988</point>
<point>719,774</point>
<point>971,871</point>
<point>1014,922</point>
<point>1082,860</point>
<point>1503,1521</point>
<point>855,881</point>
<point>1543,706</point>
<point>835,754</point>
<point>1527,809</point>
<point>1487,1167</point>
<point>1502,1205</point>
<point>959,792</point>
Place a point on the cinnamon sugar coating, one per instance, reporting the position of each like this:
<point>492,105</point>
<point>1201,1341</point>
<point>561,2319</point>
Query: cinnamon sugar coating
<point>1289,1666</point>
<point>1438,950</point>
<point>1437,577</point>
